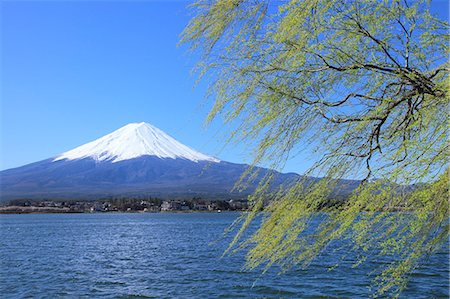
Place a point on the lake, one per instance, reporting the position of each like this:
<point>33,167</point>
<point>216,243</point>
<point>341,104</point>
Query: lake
<point>166,255</point>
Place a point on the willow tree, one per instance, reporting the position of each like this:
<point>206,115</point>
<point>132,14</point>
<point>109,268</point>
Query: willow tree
<point>362,84</point>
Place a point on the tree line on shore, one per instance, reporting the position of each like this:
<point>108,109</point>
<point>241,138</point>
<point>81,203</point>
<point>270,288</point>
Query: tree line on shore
<point>123,204</point>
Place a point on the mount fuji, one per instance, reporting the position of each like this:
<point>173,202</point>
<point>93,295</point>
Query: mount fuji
<point>135,160</point>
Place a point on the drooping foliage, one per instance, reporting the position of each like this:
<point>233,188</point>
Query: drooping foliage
<point>363,85</point>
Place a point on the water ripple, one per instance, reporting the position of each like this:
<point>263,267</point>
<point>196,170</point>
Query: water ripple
<point>166,256</point>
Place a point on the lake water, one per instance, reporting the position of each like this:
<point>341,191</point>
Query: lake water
<point>166,255</point>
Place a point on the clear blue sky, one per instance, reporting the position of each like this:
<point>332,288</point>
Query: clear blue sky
<point>73,71</point>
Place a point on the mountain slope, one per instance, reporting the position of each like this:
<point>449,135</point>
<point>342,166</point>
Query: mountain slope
<point>146,175</point>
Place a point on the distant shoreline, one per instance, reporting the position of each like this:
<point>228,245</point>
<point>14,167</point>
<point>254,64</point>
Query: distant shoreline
<point>16,210</point>
<point>125,205</point>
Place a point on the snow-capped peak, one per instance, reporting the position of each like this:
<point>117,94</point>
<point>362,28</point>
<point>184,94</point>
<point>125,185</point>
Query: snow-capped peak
<point>132,141</point>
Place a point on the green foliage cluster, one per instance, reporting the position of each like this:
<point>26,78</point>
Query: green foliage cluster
<point>364,85</point>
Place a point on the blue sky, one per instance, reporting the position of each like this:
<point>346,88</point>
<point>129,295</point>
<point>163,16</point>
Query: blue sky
<point>73,71</point>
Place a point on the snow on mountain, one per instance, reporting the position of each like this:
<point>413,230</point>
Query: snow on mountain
<point>132,141</point>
